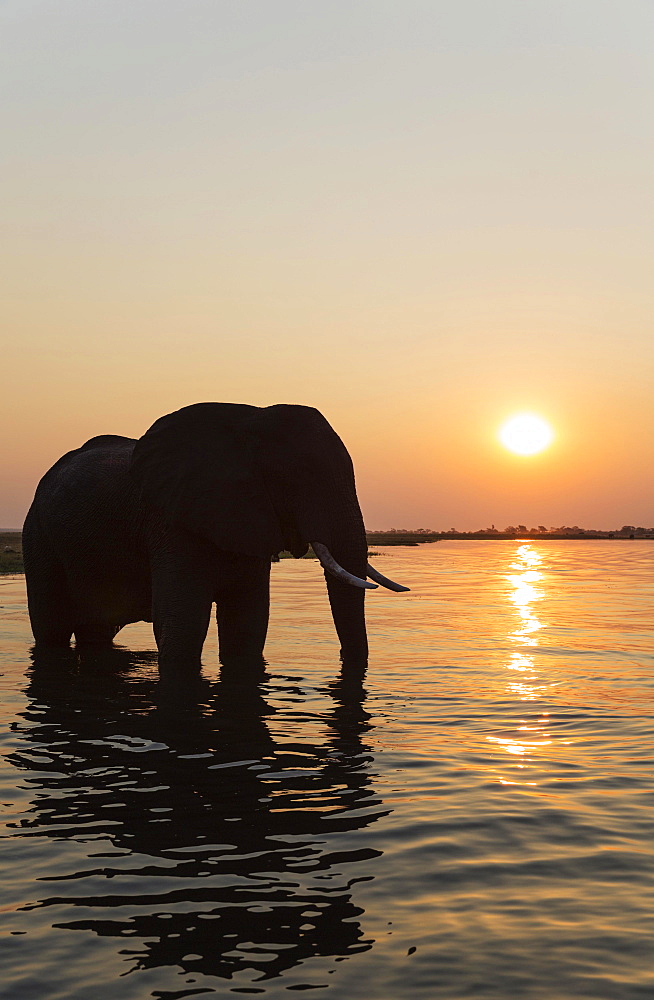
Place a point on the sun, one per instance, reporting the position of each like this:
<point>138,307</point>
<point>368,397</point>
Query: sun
<point>526,434</point>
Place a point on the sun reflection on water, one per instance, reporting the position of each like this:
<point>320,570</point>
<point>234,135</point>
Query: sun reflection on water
<point>524,596</point>
<point>524,682</point>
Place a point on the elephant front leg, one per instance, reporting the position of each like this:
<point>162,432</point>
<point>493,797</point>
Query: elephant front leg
<point>242,609</point>
<point>181,610</point>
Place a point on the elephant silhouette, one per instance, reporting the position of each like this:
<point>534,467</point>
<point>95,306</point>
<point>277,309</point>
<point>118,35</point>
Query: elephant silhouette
<point>190,515</point>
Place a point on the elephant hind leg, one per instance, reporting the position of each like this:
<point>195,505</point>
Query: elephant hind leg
<point>48,595</point>
<point>48,631</point>
<point>95,634</point>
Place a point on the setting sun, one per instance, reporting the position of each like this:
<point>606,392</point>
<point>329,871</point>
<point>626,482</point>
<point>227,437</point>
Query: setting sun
<point>526,434</point>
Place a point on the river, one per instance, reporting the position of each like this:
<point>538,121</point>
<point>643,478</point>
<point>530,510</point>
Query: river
<point>472,820</point>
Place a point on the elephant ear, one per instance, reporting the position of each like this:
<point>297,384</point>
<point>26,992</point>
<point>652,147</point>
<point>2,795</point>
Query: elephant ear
<point>305,463</point>
<point>199,466</point>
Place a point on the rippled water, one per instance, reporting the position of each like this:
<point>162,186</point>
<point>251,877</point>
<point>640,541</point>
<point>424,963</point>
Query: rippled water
<point>472,821</point>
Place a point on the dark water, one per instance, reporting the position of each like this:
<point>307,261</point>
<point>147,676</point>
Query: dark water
<point>474,820</point>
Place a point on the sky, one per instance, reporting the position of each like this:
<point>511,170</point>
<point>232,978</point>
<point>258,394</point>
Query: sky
<point>419,217</point>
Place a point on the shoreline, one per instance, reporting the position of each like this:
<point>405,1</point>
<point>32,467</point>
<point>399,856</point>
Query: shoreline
<point>11,549</point>
<point>420,538</point>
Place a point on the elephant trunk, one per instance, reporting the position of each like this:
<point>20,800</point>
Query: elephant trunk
<point>347,605</point>
<point>348,546</point>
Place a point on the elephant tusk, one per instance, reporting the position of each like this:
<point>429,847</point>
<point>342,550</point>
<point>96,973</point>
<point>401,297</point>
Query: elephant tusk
<point>375,575</point>
<point>330,565</point>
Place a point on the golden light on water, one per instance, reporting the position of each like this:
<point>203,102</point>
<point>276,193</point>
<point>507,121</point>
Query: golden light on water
<point>526,434</point>
<point>524,595</point>
<point>524,682</point>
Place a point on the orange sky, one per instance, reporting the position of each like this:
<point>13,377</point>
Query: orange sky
<point>418,217</point>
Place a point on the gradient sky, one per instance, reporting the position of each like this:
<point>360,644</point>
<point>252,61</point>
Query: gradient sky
<point>420,217</point>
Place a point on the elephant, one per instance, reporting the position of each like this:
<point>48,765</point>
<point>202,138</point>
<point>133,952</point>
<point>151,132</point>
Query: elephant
<point>190,515</point>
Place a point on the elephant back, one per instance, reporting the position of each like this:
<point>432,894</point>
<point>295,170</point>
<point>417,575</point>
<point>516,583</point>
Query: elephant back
<point>200,467</point>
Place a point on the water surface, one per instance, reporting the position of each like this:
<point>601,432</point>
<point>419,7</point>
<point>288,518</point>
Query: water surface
<point>473,819</point>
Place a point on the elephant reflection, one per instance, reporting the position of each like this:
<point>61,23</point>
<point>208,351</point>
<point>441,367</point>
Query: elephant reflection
<point>234,825</point>
<point>191,514</point>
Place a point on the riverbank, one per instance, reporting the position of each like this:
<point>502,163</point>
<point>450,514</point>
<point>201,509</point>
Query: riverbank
<point>11,546</point>
<point>11,552</point>
<point>420,537</point>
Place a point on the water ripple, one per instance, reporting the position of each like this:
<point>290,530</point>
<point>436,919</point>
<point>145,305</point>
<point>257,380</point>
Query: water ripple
<point>474,820</point>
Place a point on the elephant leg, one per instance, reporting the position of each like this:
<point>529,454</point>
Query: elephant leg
<point>95,634</point>
<point>48,595</point>
<point>242,608</point>
<point>182,597</point>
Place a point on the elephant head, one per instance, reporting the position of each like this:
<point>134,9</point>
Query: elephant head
<point>257,480</point>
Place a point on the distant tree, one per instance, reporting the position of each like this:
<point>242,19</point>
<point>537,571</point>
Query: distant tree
<point>541,527</point>
<point>522,527</point>
<point>510,530</point>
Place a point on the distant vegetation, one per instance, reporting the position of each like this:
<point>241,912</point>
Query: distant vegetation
<point>11,552</point>
<point>11,547</point>
<point>287,555</point>
<point>312,555</point>
<point>417,536</point>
